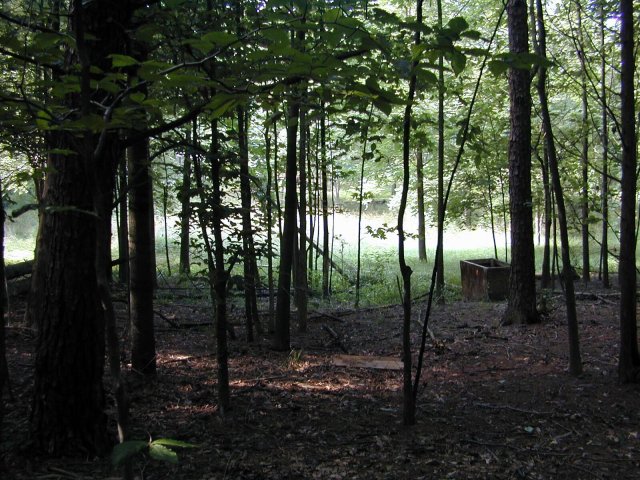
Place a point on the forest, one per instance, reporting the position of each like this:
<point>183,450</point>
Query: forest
<point>234,239</point>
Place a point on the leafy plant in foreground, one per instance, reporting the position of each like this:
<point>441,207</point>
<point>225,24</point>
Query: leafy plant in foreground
<point>160,449</point>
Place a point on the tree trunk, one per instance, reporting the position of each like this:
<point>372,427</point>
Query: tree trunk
<point>301,265</point>
<point>422,234</point>
<point>629,361</point>
<point>575,361</point>
<point>141,254</point>
<point>584,158</point>
<point>123,227</point>
<point>521,306</point>
<point>68,411</point>
<point>281,338</point>
<point>365,136</point>
<point>439,260</point>
<point>546,252</point>
<point>267,155</point>
<point>248,249</point>
<point>185,205</point>
<point>4,369</point>
<point>409,402</point>
<point>604,248</point>
<point>325,204</point>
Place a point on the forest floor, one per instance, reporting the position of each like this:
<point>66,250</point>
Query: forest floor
<point>495,402</point>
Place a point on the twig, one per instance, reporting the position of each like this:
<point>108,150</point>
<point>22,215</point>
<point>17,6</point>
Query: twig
<point>508,407</point>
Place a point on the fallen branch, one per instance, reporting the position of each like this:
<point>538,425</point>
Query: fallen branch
<point>335,336</point>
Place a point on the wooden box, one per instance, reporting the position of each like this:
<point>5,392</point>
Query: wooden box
<point>484,279</point>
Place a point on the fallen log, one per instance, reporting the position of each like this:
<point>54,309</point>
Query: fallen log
<point>16,270</point>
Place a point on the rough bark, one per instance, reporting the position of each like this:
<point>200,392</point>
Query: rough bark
<point>141,254</point>
<point>629,360</point>
<point>325,204</point>
<point>521,306</point>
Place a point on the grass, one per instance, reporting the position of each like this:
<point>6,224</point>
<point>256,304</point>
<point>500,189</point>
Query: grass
<point>380,272</point>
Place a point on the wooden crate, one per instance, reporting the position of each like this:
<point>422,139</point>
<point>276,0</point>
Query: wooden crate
<point>484,279</point>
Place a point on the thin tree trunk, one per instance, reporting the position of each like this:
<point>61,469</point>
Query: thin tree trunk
<point>141,253</point>
<point>185,204</point>
<point>325,204</point>
<point>629,360</point>
<point>281,338</point>
<point>301,265</point>
<point>422,234</point>
<point>4,369</point>
<point>584,158</point>
<point>604,248</point>
<point>165,202</point>
<point>546,252</point>
<point>575,360</point>
<point>409,402</point>
<point>267,155</point>
<point>439,260</point>
<point>365,136</point>
<point>123,228</point>
<point>248,249</point>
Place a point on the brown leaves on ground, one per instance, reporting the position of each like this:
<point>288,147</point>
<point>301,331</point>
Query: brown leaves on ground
<point>496,402</point>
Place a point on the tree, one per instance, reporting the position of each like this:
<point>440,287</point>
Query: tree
<point>521,307</point>
<point>575,361</point>
<point>629,360</point>
<point>68,413</point>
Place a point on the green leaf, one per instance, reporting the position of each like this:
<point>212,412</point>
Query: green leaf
<point>120,61</point>
<point>170,442</point>
<point>220,38</point>
<point>162,453</point>
<point>332,15</point>
<point>383,106</point>
<point>125,450</point>
<point>43,120</point>
<point>471,34</point>
<point>458,25</point>
<point>458,62</point>
<point>498,67</point>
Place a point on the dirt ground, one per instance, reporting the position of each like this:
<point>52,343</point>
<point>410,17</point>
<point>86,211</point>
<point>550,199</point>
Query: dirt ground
<point>495,403</point>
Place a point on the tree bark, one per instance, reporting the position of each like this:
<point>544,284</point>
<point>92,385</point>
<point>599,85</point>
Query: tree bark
<point>141,254</point>
<point>604,199</point>
<point>439,260</point>
<point>325,204</point>
<point>521,306</point>
<point>302,286</point>
<point>4,369</point>
<point>185,205</point>
<point>123,227</point>
<point>575,361</point>
<point>584,157</point>
<point>281,338</point>
<point>422,241</point>
<point>629,360</point>
<point>248,248</point>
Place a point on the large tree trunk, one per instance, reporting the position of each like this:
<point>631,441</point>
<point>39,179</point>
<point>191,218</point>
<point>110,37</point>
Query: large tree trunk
<point>68,411</point>
<point>629,361</point>
<point>68,414</point>
<point>521,306</point>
